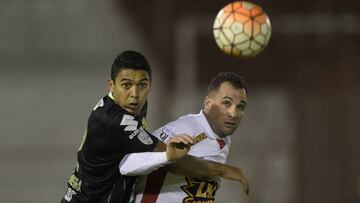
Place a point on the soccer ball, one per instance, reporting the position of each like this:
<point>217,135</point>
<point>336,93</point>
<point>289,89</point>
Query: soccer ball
<point>242,29</point>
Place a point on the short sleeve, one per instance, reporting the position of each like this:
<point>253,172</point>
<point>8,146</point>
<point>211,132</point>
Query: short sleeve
<point>166,132</point>
<point>175,128</point>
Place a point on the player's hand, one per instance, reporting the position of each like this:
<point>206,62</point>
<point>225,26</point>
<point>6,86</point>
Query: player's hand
<point>234,173</point>
<point>178,146</point>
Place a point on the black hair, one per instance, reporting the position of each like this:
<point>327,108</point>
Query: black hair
<point>130,60</point>
<point>233,78</point>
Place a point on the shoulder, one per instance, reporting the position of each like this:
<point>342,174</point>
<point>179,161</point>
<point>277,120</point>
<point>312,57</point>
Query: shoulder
<point>107,111</point>
<point>189,124</point>
<point>186,121</point>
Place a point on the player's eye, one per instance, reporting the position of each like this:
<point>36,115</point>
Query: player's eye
<point>126,85</point>
<point>143,85</point>
<point>226,103</point>
<point>241,107</point>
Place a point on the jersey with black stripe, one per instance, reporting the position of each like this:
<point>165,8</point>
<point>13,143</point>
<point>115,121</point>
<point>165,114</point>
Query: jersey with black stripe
<point>111,133</point>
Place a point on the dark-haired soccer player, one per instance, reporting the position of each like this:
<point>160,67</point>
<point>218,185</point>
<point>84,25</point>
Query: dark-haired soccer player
<point>224,107</point>
<point>115,129</point>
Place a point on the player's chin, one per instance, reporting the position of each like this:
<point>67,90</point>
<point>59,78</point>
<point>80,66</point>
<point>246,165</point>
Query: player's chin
<point>133,110</point>
<point>228,131</point>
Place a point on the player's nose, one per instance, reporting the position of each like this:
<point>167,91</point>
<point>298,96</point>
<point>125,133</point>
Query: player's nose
<point>233,113</point>
<point>134,92</point>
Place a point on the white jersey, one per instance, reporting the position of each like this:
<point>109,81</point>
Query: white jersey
<point>164,187</point>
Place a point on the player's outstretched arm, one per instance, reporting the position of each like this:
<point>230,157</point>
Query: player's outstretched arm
<point>146,162</point>
<point>191,166</point>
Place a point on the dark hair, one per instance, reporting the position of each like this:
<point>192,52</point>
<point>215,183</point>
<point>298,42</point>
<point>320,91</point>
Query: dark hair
<point>233,78</point>
<point>130,60</point>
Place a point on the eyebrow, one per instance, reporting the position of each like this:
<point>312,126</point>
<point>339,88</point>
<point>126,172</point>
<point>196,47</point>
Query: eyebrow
<point>129,80</point>
<point>227,97</point>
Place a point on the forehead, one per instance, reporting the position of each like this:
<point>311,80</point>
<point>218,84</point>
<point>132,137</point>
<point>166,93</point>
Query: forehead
<point>131,74</point>
<point>227,90</point>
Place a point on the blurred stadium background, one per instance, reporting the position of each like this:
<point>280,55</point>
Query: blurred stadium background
<point>299,141</point>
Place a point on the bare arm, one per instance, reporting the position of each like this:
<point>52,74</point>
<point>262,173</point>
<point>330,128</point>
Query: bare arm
<point>191,166</point>
<point>160,147</point>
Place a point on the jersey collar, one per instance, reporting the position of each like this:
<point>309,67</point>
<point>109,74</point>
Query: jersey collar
<point>111,96</point>
<point>210,132</point>
<point>207,126</point>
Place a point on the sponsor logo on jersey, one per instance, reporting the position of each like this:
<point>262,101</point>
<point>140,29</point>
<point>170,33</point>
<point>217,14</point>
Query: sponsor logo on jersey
<point>163,136</point>
<point>135,133</point>
<point>130,122</point>
<point>200,190</point>
<point>199,138</point>
<point>166,134</point>
<point>69,194</point>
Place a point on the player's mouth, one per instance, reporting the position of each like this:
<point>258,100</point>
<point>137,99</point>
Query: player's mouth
<point>133,105</point>
<point>230,124</point>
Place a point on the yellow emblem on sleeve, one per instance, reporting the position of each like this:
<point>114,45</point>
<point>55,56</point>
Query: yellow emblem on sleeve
<point>199,138</point>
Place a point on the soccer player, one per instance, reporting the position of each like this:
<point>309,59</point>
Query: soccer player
<point>224,108</point>
<point>114,129</point>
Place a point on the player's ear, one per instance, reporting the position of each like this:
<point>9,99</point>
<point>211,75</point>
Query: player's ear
<point>110,84</point>
<point>207,102</point>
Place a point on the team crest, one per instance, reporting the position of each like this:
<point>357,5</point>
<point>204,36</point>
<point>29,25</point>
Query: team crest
<point>144,137</point>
